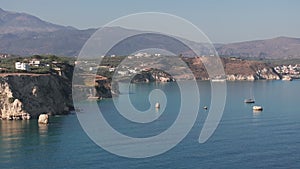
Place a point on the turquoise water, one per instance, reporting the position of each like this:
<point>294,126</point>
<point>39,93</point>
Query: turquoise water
<point>243,139</point>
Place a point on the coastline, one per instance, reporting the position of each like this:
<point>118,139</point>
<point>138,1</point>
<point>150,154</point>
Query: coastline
<point>26,95</point>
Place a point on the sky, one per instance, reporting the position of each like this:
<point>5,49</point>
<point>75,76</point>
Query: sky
<point>223,21</point>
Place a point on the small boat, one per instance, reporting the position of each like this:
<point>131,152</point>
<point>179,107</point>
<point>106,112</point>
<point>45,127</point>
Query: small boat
<point>205,107</point>
<point>251,98</point>
<point>257,108</point>
<point>249,101</point>
<point>157,105</point>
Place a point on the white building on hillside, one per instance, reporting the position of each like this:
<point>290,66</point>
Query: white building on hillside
<point>36,63</point>
<point>21,66</point>
<point>111,69</point>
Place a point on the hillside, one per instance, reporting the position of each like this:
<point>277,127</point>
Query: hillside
<point>235,69</point>
<point>276,48</point>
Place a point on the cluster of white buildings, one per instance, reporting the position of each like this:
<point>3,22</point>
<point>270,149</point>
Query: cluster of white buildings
<point>142,55</point>
<point>133,67</point>
<point>127,71</point>
<point>22,66</point>
<point>4,55</point>
<point>36,63</point>
<point>26,66</point>
<point>288,69</point>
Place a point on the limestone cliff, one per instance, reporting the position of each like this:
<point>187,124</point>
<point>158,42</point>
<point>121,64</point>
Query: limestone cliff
<point>249,70</point>
<point>235,69</point>
<point>28,95</point>
<point>106,89</point>
<point>264,74</point>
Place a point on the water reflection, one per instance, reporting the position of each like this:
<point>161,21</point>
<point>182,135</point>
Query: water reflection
<point>20,134</point>
<point>11,131</point>
<point>256,117</point>
<point>43,130</point>
<point>256,113</point>
<point>12,135</point>
<point>25,143</point>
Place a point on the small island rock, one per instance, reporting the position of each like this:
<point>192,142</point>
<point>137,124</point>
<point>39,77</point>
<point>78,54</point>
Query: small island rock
<point>43,119</point>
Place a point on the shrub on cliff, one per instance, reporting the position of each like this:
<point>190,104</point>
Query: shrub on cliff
<point>11,100</point>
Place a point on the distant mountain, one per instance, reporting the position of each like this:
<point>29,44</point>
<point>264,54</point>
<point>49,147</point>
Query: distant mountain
<point>276,48</point>
<point>24,34</point>
<point>12,22</point>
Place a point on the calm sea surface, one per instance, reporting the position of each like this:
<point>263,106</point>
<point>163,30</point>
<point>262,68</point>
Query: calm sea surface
<point>243,139</point>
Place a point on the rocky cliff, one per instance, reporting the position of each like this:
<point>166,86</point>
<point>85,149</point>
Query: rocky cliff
<point>152,76</point>
<point>235,69</point>
<point>106,89</point>
<point>27,95</point>
<point>238,69</point>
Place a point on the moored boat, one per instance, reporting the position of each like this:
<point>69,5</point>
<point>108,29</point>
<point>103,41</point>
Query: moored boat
<point>257,108</point>
<point>249,101</point>
<point>157,105</point>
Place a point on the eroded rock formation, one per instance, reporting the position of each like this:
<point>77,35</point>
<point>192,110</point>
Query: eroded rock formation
<point>24,96</point>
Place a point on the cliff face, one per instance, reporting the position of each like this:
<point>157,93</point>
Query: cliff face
<point>152,76</point>
<point>22,96</point>
<point>235,69</point>
<point>105,88</point>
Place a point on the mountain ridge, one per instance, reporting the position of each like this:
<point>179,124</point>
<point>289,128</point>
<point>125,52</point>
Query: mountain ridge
<point>24,34</point>
<point>275,48</point>
<point>14,22</point>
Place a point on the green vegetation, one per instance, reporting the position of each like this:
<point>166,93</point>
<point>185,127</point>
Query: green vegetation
<point>112,61</point>
<point>109,62</point>
<point>40,70</point>
<point>11,100</point>
<point>48,59</point>
<point>271,62</point>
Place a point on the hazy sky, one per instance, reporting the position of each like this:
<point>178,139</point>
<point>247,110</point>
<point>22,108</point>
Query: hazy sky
<point>222,21</point>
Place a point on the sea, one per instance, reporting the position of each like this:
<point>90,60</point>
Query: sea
<point>243,138</point>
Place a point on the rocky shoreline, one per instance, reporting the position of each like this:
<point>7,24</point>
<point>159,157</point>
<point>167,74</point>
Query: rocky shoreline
<point>235,69</point>
<point>24,95</point>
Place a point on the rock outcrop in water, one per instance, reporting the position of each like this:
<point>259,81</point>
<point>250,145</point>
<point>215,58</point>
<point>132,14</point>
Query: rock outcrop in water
<point>43,119</point>
<point>28,95</point>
